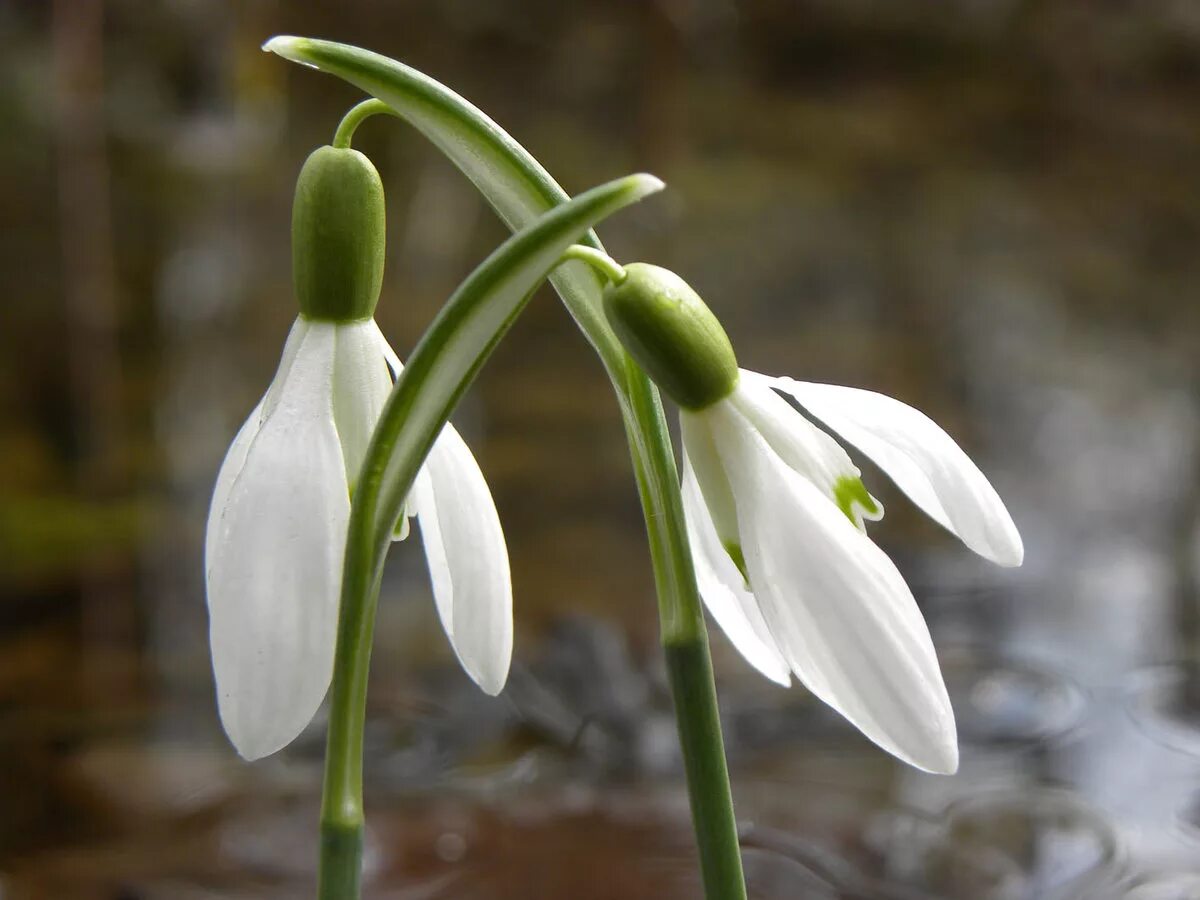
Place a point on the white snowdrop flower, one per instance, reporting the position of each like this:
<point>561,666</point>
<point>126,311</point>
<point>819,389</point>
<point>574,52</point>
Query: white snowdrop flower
<point>279,514</point>
<point>775,513</point>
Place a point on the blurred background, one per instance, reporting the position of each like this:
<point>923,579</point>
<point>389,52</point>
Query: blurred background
<point>987,208</point>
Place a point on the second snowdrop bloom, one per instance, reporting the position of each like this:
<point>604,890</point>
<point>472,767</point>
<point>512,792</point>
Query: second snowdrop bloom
<point>277,524</point>
<point>776,513</point>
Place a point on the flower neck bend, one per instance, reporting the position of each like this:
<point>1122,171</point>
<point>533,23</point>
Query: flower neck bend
<point>338,236</point>
<point>673,335</point>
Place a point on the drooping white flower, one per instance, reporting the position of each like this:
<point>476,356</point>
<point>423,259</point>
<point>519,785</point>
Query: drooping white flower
<point>775,512</point>
<point>277,524</point>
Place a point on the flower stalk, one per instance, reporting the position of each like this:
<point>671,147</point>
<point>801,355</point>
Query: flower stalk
<point>684,641</point>
<point>355,117</point>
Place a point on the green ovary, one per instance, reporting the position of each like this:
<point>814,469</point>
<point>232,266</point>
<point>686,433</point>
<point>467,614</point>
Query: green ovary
<point>849,492</point>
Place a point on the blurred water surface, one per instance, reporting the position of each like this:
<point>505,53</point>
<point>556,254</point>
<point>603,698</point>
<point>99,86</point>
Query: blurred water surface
<point>987,208</point>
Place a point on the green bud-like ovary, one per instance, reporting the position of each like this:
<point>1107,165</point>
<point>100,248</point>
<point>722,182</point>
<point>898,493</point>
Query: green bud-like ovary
<point>673,335</point>
<point>338,236</point>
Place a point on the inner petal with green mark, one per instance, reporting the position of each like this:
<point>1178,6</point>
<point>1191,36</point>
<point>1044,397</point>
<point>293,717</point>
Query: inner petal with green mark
<point>739,559</point>
<point>853,499</point>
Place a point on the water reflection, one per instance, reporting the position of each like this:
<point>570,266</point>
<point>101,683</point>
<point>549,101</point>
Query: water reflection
<point>989,212</point>
<point>1016,845</point>
<point>1165,702</point>
<point>1005,702</point>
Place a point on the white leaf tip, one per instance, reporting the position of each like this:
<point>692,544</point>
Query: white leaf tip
<point>652,182</point>
<point>289,47</point>
<point>279,44</point>
<point>644,184</point>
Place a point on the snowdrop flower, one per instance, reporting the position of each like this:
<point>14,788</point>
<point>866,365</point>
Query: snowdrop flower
<point>775,513</point>
<point>279,514</point>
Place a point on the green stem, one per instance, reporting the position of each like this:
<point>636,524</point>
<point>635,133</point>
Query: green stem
<point>685,643</point>
<point>355,117</point>
<point>342,817</point>
<point>340,876</point>
<point>598,260</point>
<point>690,672</point>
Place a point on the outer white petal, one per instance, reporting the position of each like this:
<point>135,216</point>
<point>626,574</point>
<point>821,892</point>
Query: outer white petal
<point>468,560</point>
<point>235,456</point>
<point>922,459</point>
<point>723,589</point>
<point>837,607</point>
<point>275,560</point>
<point>361,385</point>
<point>231,468</point>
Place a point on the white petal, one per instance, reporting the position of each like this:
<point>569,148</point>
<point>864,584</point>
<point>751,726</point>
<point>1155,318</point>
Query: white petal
<point>361,385</point>
<point>922,459</point>
<point>837,607</point>
<point>291,349</point>
<point>723,589</point>
<point>276,560</point>
<point>803,446</point>
<point>235,456</point>
<point>468,560</point>
<point>231,468</point>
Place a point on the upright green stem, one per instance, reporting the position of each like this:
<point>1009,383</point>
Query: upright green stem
<point>685,644</point>
<point>342,817</point>
<point>683,634</point>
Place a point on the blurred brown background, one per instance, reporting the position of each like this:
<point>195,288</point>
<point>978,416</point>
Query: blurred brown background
<point>988,208</point>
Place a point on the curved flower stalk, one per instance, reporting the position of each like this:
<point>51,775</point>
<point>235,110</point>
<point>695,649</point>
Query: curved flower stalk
<point>776,514</point>
<point>277,523</point>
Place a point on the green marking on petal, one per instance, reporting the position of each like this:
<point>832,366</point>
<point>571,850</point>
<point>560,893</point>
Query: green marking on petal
<point>739,559</point>
<point>850,492</point>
